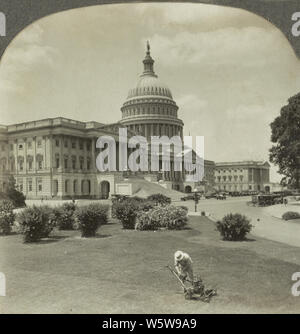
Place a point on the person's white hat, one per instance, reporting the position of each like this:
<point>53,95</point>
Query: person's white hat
<point>179,255</point>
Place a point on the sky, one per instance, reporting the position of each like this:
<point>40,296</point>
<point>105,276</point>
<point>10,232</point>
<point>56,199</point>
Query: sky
<point>230,71</point>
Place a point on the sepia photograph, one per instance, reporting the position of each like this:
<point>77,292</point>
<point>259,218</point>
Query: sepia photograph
<point>150,163</point>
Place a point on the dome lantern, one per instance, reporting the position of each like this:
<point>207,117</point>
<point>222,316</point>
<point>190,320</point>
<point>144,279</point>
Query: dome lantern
<point>148,63</point>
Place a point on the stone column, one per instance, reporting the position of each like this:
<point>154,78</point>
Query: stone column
<point>93,162</point>
<point>45,151</point>
<point>16,160</point>
<point>34,164</point>
<point>34,153</point>
<point>25,165</point>
<point>51,164</point>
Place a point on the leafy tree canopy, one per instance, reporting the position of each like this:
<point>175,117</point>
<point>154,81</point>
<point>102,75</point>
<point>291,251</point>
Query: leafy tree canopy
<point>286,137</point>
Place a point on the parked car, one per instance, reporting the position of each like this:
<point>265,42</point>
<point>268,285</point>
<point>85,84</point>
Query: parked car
<point>221,196</point>
<point>211,195</point>
<point>191,196</point>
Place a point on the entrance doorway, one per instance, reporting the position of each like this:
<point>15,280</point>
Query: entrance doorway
<point>188,189</point>
<point>104,189</point>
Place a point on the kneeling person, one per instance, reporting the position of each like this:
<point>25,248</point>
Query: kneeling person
<point>184,266</point>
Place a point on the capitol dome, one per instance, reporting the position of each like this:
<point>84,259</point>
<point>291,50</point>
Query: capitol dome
<point>149,109</point>
<point>149,85</point>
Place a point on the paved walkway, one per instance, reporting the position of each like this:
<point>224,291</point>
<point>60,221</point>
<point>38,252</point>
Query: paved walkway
<point>265,224</point>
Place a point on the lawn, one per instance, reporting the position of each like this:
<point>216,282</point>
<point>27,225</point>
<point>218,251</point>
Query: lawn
<point>122,271</point>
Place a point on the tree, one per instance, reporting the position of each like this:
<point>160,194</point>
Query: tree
<point>286,137</point>
<point>16,196</point>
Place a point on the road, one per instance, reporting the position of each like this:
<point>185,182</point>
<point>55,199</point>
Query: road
<point>265,225</point>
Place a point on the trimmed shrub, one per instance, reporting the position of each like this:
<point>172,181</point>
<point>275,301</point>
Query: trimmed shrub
<point>169,217</point>
<point>65,217</point>
<point>35,223</point>
<point>126,212</point>
<point>202,213</point>
<point>159,199</point>
<point>146,205</point>
<point>290,215</point>
<point>90,217</point>
<point>234,227</point>
<point>144,221</point>
<point>115,201</point>
<point>49,214</point>
<point>7,217</point>
<point>126,209</point>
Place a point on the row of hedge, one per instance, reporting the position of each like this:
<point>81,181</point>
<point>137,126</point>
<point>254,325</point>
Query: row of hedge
<point>151,213</point>
<point>37,222</point>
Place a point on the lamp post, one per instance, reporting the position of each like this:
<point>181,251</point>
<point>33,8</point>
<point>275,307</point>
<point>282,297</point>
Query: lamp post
<point>297,171</point>
<point>196,198</point>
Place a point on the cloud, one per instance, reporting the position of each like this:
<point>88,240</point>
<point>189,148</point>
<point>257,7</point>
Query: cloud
<point>204,16</point>
<point>190,101</point>
<point>245,47</point>
<point>27,53</point>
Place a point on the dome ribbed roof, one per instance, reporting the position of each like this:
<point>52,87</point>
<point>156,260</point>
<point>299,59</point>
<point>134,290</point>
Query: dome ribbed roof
<point>149,85</point>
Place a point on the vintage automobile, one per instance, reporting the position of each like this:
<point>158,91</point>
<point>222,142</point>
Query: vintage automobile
<point>221,196</point>
<point>211,195</point>
<point>191,196</point>
<point>267,199</point>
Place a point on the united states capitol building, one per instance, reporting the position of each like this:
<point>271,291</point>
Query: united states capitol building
<point>56,157</point>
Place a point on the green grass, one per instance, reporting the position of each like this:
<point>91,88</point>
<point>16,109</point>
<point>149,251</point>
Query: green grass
<point>122,271</point>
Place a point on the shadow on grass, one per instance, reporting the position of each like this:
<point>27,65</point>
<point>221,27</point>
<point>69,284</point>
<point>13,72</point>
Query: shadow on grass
<point>50,239</point>
<point>242,240</point>
<point>9,234</point>
<point>100,236</point>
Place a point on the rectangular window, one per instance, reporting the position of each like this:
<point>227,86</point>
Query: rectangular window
<point>30,185</point>
<point>57,162</point>
<point>40,185</point>
<point>57,142</point>
<point>81,164</point>
<point>81,145</point>
<point>66,143</point>
<point>66,163</point>
<point>74,164</point>
<point>73,144</point>
<point>30,165</point>
<point>40,165</point>
<point>88,146</point>
<point>29,145</point>
<point>39,143</point>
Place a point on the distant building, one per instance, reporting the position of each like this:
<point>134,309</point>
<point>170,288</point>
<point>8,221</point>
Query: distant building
<point>273,187</point>
<point>242,176</point>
